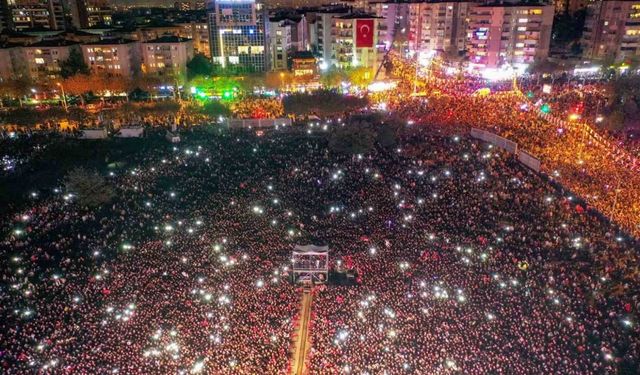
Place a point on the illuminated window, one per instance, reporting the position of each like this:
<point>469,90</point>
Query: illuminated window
<point>523,20</point>
<point>519,45</point>
<point>522,28</point>
<point>633,32</point>
<point>39,60</point>
<point>536,11</point>
<point>243,50</point>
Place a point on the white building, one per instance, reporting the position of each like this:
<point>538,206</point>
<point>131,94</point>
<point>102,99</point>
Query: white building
<point>167,55</point>
<point>355,41</point>
<point>118,57</point>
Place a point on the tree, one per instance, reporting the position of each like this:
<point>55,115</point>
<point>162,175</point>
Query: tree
<point>74,64</point>
<point>199,65</point>
<point>360,77</point>
<point>90,188</point>
<point>332,78</point>
<point>567,28</point>
<point>322,102</point>
<point>354,138</point>
<point>15,88</point>
<point>80,85</point>
<point>214,109</point>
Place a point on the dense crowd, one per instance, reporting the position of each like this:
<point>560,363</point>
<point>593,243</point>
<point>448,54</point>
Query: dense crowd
<point>473,265</point>
<point>568,154</point>
<point>466,261</point>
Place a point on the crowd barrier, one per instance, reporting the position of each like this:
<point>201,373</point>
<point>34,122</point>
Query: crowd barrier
<point>258,123</point>
<point>524,157</point>
<point>529,160</point>
<point>495,140</point>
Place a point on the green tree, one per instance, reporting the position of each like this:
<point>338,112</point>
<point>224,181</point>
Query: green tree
<point>199,65</point>
<point>332,78</point>
<point>73,65</point>
<point>355,138</point>
<point>90,188</point>
<point>214,109</point>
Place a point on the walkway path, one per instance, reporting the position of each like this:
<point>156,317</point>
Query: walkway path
<point>302,339</point>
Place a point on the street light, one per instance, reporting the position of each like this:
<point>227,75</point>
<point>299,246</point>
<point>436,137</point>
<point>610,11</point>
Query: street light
<point>64,98</point>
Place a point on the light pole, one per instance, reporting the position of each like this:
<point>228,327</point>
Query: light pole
<point>64,97</point>
<point>281,81</point>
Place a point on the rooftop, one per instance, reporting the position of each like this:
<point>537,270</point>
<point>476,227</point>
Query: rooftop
<point>169,39</point>
<point>110,41</point>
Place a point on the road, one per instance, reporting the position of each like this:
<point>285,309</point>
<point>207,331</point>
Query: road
<point>302,338</point>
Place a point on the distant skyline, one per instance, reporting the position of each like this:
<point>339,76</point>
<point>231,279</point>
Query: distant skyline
<point>161,3</point>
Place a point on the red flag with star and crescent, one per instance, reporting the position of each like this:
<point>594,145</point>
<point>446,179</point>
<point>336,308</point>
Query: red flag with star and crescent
<point>364,33</point>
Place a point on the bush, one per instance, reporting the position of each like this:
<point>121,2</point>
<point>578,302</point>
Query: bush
<point>90,188</point>
<point>323,103</point>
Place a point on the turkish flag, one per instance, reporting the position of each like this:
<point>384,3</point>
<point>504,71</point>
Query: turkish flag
<point>364,33</point>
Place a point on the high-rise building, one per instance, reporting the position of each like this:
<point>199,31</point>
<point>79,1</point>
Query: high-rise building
<point>90,13</point>
<point>20,15</point>
<point>515,34</point>
<point>279,41</point>
<point>394,22</point>
<point>439,27</point>
<point>612,30</point>
<point>238,34</point>
<point>355,41</point>
<point>321,27</point>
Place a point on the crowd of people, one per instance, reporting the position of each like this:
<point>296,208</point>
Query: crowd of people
<point>466,261</point>
<point>473,265</point>
<point>568,154</point>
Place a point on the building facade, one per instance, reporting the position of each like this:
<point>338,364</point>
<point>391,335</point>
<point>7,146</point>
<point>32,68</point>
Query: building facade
<point>279,41</point>
<point>511,34</point>
<point>238,34</point>
<point>20,15</point>
<point>117,57</point>
<point>198,31</point>
<point>42,60</point>
<point>439,27</point>
<point>394,23</point>
<point>355,41</point>
<point>320,33</point>
<point>166,56</point>
<point>612,30</point>
<point>90,13</point>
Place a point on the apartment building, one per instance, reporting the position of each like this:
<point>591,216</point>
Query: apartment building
<point>355,41</point>
<point>117,57</point>
<point>42,59</point>
<point>612,30</point>
<point>513,34</point>
<point>20,15</point>
<point>167,55</point>
<point>438,26</point>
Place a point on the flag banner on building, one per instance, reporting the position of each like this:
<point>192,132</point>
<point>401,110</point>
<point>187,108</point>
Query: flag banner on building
<point>364,33</point>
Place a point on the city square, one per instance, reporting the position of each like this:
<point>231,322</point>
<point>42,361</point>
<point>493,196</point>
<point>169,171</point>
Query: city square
<point>301,188</point>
